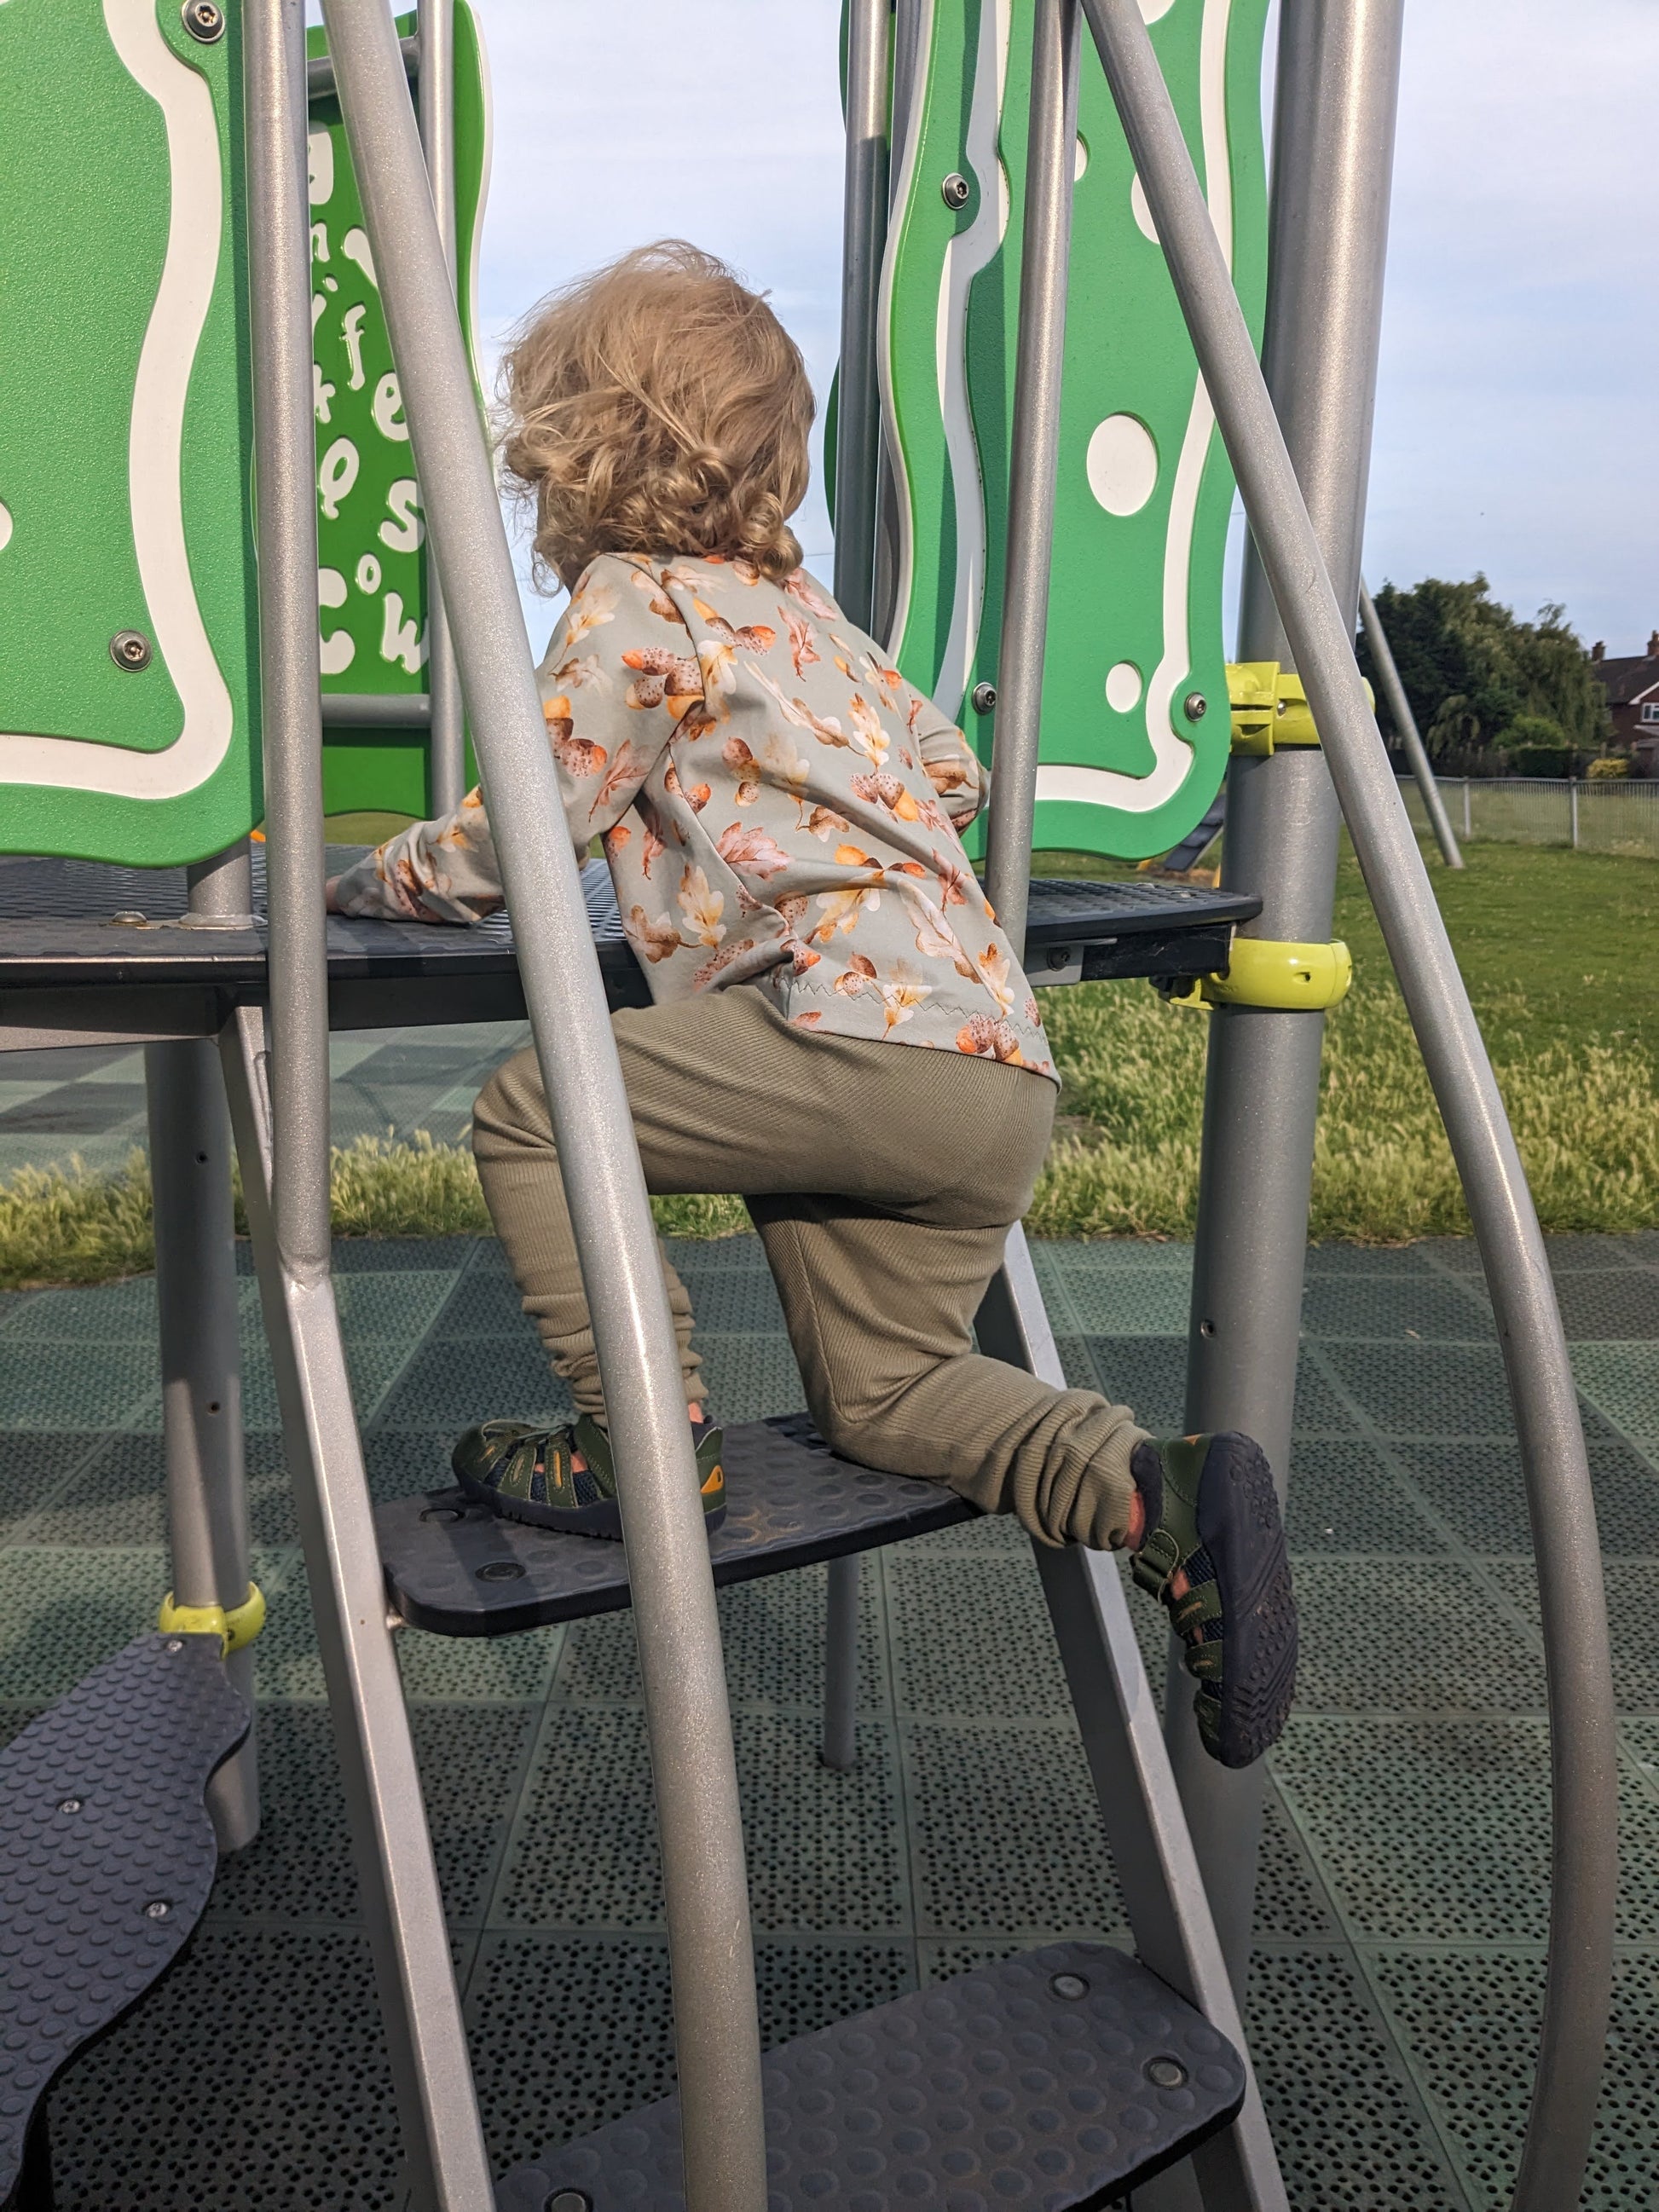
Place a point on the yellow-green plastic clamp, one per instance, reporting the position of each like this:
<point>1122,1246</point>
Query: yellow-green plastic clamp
<point>1262,971</point>
<point>235,1625</point>
<point>1270,707</point>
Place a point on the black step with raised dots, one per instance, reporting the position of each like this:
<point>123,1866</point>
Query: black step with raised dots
<point>457,1569</point>
<point>1053,2082</point>
<point>107,1858</point>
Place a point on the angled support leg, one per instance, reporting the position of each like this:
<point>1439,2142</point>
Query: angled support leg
<point>1169,1912</point>
<point>443,2142</point>
<point>840,1667</point>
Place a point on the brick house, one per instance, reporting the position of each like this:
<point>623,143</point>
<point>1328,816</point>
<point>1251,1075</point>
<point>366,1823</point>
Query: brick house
<point>1633,690</point>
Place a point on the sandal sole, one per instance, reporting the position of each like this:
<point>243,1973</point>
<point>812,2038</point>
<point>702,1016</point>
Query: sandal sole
<point>603,1520</point>
<point>1239,1526</point>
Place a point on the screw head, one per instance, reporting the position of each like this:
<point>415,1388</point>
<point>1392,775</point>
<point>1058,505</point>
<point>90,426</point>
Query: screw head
<point>69,1804</point>
<point>983,698</point>
<point>443,1514</point>
<point>955,190</point>
<point>203,20</point>
<point>173,1642</point>
<point>157,1908</point>
<point>1194,705</point>
<point>500,1570</point>
<point>131,650</point>
<point>129,917</point>
<point>1166,2073</point>
<point>568,2200</point>
<point>1069,1986</point>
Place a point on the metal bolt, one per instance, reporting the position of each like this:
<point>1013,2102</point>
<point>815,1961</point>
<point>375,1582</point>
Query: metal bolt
<point>173,1643</point>
<point>1166,2073</point>
<point>568,2200</point>
<point>69,1804</point>
<point>204,21</point>
<point>955,190</point>
<point>157,1908</point>
<point>130,649</point>
<point>129,917</point>
<point>444,1514</point>
<point>1069,1986</point>
<point>1194,705</point>
<point>983,698</point>
<point>500,1570</point>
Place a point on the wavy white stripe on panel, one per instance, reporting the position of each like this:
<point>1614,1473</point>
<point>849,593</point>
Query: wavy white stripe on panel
<point>905,582</point>
<point>156,450</point>
<point>1172,752</point>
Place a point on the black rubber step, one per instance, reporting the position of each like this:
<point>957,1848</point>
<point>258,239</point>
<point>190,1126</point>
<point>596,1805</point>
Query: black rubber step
<point>1055,2081</point>
<point>107,1858</point>
<point>457,1569</point>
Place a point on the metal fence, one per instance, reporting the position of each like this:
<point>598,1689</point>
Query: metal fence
<point>1591,817</point>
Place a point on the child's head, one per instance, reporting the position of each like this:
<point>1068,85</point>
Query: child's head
<point>658,406</point>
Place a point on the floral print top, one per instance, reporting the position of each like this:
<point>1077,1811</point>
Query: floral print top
<point>777,804</point>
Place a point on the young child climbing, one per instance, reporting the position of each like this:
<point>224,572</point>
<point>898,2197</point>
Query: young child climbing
<point>840,1031</point>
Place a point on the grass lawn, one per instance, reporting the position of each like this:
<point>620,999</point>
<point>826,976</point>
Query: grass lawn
<point>1561,951</point>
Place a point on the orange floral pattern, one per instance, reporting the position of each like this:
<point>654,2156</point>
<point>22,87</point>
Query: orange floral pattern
<point>777,806</point>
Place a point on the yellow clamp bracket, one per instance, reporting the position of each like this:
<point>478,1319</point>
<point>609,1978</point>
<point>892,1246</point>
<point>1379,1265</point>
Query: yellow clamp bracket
<point>1263,972</point>
<point>1270,707</point>
<point>235,1625</point>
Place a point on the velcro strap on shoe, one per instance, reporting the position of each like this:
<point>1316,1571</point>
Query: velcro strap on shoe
<point>1189,1614</point>
<point>1155,1562</point>
<point>1203,1661</point>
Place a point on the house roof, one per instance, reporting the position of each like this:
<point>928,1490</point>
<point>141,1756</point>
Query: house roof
<point>1630,679</point>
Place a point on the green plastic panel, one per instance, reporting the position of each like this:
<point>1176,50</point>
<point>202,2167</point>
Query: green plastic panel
<point>125,436</point>
<point>1144,487</point>
<point>370,531</point>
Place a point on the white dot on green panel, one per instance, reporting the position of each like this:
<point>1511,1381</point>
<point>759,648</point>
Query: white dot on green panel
<point>1080,157</point>
<point>1151,9</point>
<point>1122,464</point>
<point>1141,212</point>
<point>1123,687</point>
<point>5,526</point>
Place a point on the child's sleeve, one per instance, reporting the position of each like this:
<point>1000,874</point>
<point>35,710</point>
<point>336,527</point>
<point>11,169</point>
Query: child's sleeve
<point>954,769</point>
<point>615,682</point>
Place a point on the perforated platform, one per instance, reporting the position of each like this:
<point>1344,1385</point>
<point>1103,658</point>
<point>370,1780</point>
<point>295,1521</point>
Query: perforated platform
<point>1057,2078</point>
<point>457,1569</point>
<point>106,1856</point>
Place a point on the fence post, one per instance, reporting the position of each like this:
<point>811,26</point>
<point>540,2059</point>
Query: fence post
<point>1572,804</point>
<point>1468,831</point>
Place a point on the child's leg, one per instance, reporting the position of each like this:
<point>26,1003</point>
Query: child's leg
<point>519,1167</point>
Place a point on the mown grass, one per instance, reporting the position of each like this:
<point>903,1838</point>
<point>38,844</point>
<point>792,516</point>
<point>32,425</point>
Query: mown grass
<point>1561,951</point>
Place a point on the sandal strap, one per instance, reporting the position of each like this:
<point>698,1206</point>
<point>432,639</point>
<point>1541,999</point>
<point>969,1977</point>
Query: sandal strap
<point>517,1453</point>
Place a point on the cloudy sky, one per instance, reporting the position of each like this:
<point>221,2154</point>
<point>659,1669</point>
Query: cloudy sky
<point>1516,426</point>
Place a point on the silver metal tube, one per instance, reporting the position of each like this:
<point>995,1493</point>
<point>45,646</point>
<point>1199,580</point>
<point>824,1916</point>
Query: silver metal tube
<point>1405,722</point>
<point>1337,79</point>
<point>863,236</point>
<point>1582,1748</point>
<point>436,94</point>
<point>841,1666</point>
<point>320,73</point>
<point>1033,450</point>
<point>687,1716</point>
<point>370,710</point>
<point>282,1140</point>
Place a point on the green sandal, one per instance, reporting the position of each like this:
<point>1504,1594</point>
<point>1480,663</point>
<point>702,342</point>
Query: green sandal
<point>527,1474</point>
<point>1212,1511</point>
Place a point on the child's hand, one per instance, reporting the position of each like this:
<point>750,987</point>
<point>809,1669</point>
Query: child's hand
<point>331,895</point>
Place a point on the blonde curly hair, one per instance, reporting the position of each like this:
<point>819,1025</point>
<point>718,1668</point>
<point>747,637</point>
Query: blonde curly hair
<point>657,405</point>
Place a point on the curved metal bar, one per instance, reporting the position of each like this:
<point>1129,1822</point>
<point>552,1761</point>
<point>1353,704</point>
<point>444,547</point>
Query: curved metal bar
<point>1033,448</point>
<point>864,236</point>
<point>1583,1746</point>
<point>688,1718</point>
<point>1405,723</point>
<point>434,88</point>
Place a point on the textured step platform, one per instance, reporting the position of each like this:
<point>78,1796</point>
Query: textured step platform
<point>458,1570</point>
<point>107,1858</point>
<point>1056,2080</point>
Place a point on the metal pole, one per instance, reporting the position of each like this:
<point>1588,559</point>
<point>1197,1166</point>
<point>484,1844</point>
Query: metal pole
<point>1582,1744</point>
<point>1405,722</point>
<point>1338,73</point>
<point>436,90</point>
<point>1468,831</point>
<point>839,1749</point>
<point>863,236</point>
<point>1572,803</point>
<point>190,1157</point>
<point>283,1141</point>
<point>1045,259</point>
<point>687,1716</point>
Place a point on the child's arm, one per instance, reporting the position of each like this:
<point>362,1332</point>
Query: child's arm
<point>442,871</point>
<point>954,769</point>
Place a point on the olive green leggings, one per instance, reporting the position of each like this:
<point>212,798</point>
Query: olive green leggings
<point>883,1179</point>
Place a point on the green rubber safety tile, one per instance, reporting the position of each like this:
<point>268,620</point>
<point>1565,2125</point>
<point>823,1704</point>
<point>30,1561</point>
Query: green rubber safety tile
<point>773,1634</point>
<point>1153,1634</point>
<point>104,1313</point>
<point>88,1107</point>
<point>1318,1410</point>
<point>452,1385</point>
<point>119,1496</point>
<point>1622,1381</point>
<point>300,1867</point>
<point>1479,1491</point>
<point>1343,1498</point>
<point>62,1611</point>
<point>482,1303</point>
<point>823,1850</point>
<point>404,1462</point>
<point>1290,1904</point>
<point>57,1386</point>
<point>694,1256</point>
<point>371,1361</point>
<point>36,1465</point>
<point>1146,1373</point>
<point>15,1719</point>
<point>397,1256</point>
<point>1399,1310</point>
<point>1632,1589</point>
<point>749,1377</point>
<point>1617,1306</point>
<point>253,2078</point>
<point>1109,1301</point>
<point>1427,1389</point>
<point>990,1534</point>
<point>1439,1830</point>
<point>402,1305</point>
<point>1401,1636</point>
<point>1348,2127</point>
<point>942,1962</point>
<point>972,1640</point>
<point>1446,2009</point>
<point>1005,1834</point>
<point>1376,1262</point>
<point>1567,1254</point>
